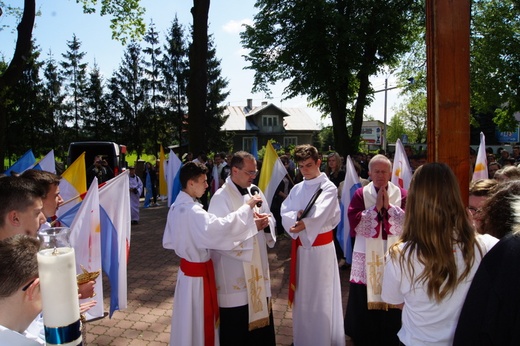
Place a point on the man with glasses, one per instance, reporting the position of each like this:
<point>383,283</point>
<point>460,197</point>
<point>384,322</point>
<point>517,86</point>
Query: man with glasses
<point>20,297</point>
<point>242,274</point>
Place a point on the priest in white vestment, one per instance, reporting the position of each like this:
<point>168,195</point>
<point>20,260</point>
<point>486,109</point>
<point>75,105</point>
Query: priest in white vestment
<point>376,218</point>
<point>243,281</point>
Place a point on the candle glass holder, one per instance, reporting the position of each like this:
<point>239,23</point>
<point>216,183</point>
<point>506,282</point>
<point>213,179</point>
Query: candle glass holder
<point>54,238</point>
<point>59,290</point>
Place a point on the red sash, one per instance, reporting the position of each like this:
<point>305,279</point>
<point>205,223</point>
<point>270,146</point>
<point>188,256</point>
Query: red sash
<point>321,239</point>
<point>211,311</point>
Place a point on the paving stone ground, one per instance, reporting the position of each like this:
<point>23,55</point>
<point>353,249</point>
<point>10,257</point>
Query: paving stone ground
<point>152,274</point>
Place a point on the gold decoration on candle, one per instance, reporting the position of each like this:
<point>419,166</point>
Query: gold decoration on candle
<point>87,276</point>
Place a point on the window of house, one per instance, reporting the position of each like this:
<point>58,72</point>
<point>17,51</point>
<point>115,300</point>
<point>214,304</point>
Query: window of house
<point>269,120</point>
<point>290,141</point>
<point>247,143</point>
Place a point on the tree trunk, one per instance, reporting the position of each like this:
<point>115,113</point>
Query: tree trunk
<point>15,69</point>
<point>339,127</point>
<point>198,80</point>
<point>361,101</point>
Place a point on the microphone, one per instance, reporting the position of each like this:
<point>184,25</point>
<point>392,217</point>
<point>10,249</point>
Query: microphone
<point>256,191</point>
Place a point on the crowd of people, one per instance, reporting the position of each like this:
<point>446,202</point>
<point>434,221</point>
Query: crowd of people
<point>427,267</point>
<point>416,254</point>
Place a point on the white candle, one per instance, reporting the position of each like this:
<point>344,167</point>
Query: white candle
<point>60,303</point>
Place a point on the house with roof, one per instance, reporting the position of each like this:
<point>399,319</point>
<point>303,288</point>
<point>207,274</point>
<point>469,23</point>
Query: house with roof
<point>253,126</point>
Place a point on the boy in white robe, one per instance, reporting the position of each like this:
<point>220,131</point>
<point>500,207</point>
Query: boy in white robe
<point>316,289</point>
<point>191,231</point>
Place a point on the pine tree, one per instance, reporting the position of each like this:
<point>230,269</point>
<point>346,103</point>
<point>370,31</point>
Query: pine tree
<point>53,98</point>
<point>132,97</point>
<point>98,124</point>
<point>75,74</point>
<point>28,125</point>
<point>153,84</point>
<point>114,109</point>
<point>174,66</point>
<point>217,141</point>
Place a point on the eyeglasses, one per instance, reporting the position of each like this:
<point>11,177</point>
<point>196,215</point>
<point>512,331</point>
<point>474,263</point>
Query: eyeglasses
<point>474,211</point>
<point>251,173</point>
<point>26,287</point>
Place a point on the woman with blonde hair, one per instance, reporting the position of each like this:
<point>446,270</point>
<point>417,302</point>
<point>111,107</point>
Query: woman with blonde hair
<point>429,270</point>
<point>334,170</point>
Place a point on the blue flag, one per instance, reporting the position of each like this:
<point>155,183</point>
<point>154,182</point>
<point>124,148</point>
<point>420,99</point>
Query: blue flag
<point>26,161</point>
<point>350,185</point>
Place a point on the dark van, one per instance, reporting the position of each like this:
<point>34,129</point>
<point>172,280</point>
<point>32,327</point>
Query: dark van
<point>113,153</point>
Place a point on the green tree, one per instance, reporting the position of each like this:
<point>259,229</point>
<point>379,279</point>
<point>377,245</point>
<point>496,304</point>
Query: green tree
<point>153,85</point>
<point>328,50</point>
<point>74,72</point>
<point>396,128</point>
<point>29,127</point>
<point>495,60</point>
<point>98,125</point>
<point>175,71</point>
<point>126,22</point>
<point>133,98</point>
<point>326,139</point>
<point>216,140</point>
<point>53,97</point>
<point>115,105</point>
<point>410,119</point>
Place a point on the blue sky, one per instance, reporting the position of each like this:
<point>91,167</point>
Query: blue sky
<point>60,19</point>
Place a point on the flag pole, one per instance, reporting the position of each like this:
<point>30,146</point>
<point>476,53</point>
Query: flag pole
<point>70,200</point>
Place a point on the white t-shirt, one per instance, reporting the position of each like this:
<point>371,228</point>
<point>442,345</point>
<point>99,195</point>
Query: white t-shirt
<point>425,321</point>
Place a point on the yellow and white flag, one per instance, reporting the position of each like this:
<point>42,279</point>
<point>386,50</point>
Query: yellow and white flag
<point>481,168</point>
<point>272,173</point>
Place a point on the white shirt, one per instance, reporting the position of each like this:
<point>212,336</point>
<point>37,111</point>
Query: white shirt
<point>9,337</point>
<point>426,321</point>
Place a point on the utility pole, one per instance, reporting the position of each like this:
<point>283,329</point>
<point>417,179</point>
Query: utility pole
<point>384,140</point>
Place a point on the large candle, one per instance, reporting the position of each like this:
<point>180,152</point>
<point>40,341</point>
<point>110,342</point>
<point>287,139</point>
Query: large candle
<point>59,290</point>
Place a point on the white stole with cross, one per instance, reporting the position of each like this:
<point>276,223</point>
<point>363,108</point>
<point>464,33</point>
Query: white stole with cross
<point>377,247</point>
<point>255,283</point>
